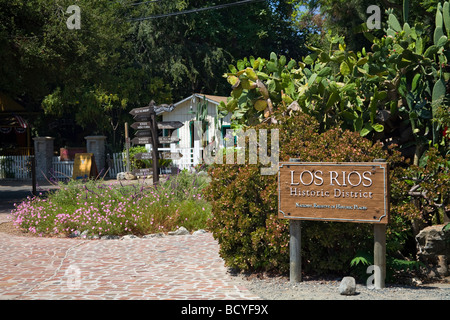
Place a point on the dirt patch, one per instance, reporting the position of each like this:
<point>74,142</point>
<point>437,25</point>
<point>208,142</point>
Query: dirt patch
<point>9,228</point>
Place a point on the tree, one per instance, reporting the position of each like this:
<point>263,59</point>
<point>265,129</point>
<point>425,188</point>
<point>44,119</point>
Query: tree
<point>191,51</point>
<point>395,93</point>
<point>95,74</point>
<point>83,75</point>
<point>345,17</point>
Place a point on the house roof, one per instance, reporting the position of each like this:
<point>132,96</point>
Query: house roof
<point>210,98</point>
<point>10,112</point>
<point>7,104</point>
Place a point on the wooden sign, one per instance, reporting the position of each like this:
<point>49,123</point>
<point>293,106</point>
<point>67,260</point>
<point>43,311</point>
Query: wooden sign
<point>147,125</point>
<point>142,111</point>
<point>164,155</point>
<point>142,172</point>
<point>169,125</point>
<point>84,166</point>
<point>348,192</point>
<point>146,122</point>
<point>171,155</point>
<point>168,139</point>
<point>142,118</point>
<point>152,108</point>
<point>143,133</point>
<point>141,139</point>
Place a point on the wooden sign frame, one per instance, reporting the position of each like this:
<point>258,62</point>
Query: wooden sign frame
<point>317,178</point>
<point>345,192</point>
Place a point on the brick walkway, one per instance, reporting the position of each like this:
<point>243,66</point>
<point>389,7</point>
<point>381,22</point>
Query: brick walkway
<point>171,267</point>
<point>167,268</point>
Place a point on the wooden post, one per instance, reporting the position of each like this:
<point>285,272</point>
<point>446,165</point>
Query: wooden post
<point>379,251</point>
<point>127,147</point>
<point>295,247</point>
<point>295,251</point>
<point>33,175</point>
<point>155,157</point>
<point>379,255</point>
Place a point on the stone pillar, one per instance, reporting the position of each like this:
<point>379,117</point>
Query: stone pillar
<point>43,152</point>
<point>96,145</point>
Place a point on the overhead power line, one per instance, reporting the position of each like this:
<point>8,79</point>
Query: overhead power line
<point>220,6</point>
<point>143,2</point>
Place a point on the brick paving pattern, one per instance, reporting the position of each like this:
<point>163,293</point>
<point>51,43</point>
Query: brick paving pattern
<point>171,267</point>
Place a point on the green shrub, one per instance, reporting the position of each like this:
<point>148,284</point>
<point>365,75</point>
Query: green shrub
<point>244,204</point>
<point>185,185</point>
<point>424,190</point>
<point>394,266</point>
<point>141,164</point>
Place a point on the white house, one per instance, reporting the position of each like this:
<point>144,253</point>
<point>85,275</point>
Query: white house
<point>186,111</point>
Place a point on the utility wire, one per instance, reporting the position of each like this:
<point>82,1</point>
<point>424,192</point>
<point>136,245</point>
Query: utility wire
<point>220,6</point>
<point>143,2</point>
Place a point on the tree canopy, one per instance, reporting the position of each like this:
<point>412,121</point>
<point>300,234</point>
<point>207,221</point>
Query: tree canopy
<point>395,90</point>
<point>116,60</point>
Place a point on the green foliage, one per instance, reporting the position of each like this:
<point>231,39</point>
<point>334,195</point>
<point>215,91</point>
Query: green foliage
<point>190,51</point>
<point>397,87</point>
<point>245,217</point>
<point>7,169</point>
<point>185,185</point>
<point>94,75</point>
<point>362,258</point>
<point>424,190</point>
<point>46,57</point>
<point>395,267</point>
<point>140,164</point>
<point>343,17</point>
<point>135,163</point>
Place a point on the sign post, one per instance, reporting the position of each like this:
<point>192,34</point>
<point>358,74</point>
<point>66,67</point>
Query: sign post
<point>295,250</point>
<point>345,192</point>
<point>154,148</point>
<point>127,147</point>
<point>379,251</point>
<point>295,247</point>
<point>146,128</point>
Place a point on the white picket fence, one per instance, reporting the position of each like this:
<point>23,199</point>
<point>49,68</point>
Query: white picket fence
<point>64,169</point>
<point>19,167</point>
<point>15,167</point>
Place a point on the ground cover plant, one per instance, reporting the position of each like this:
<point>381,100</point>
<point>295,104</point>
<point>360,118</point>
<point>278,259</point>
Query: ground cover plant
<point>100,208</point>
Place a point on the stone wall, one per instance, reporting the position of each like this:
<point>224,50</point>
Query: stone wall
<point>43,151</point>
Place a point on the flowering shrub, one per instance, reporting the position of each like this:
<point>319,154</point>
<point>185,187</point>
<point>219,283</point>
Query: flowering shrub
<point>115,209</point>
<point>244,204</point>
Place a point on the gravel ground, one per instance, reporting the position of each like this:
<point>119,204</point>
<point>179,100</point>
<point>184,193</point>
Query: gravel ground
<point>279,288</point>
